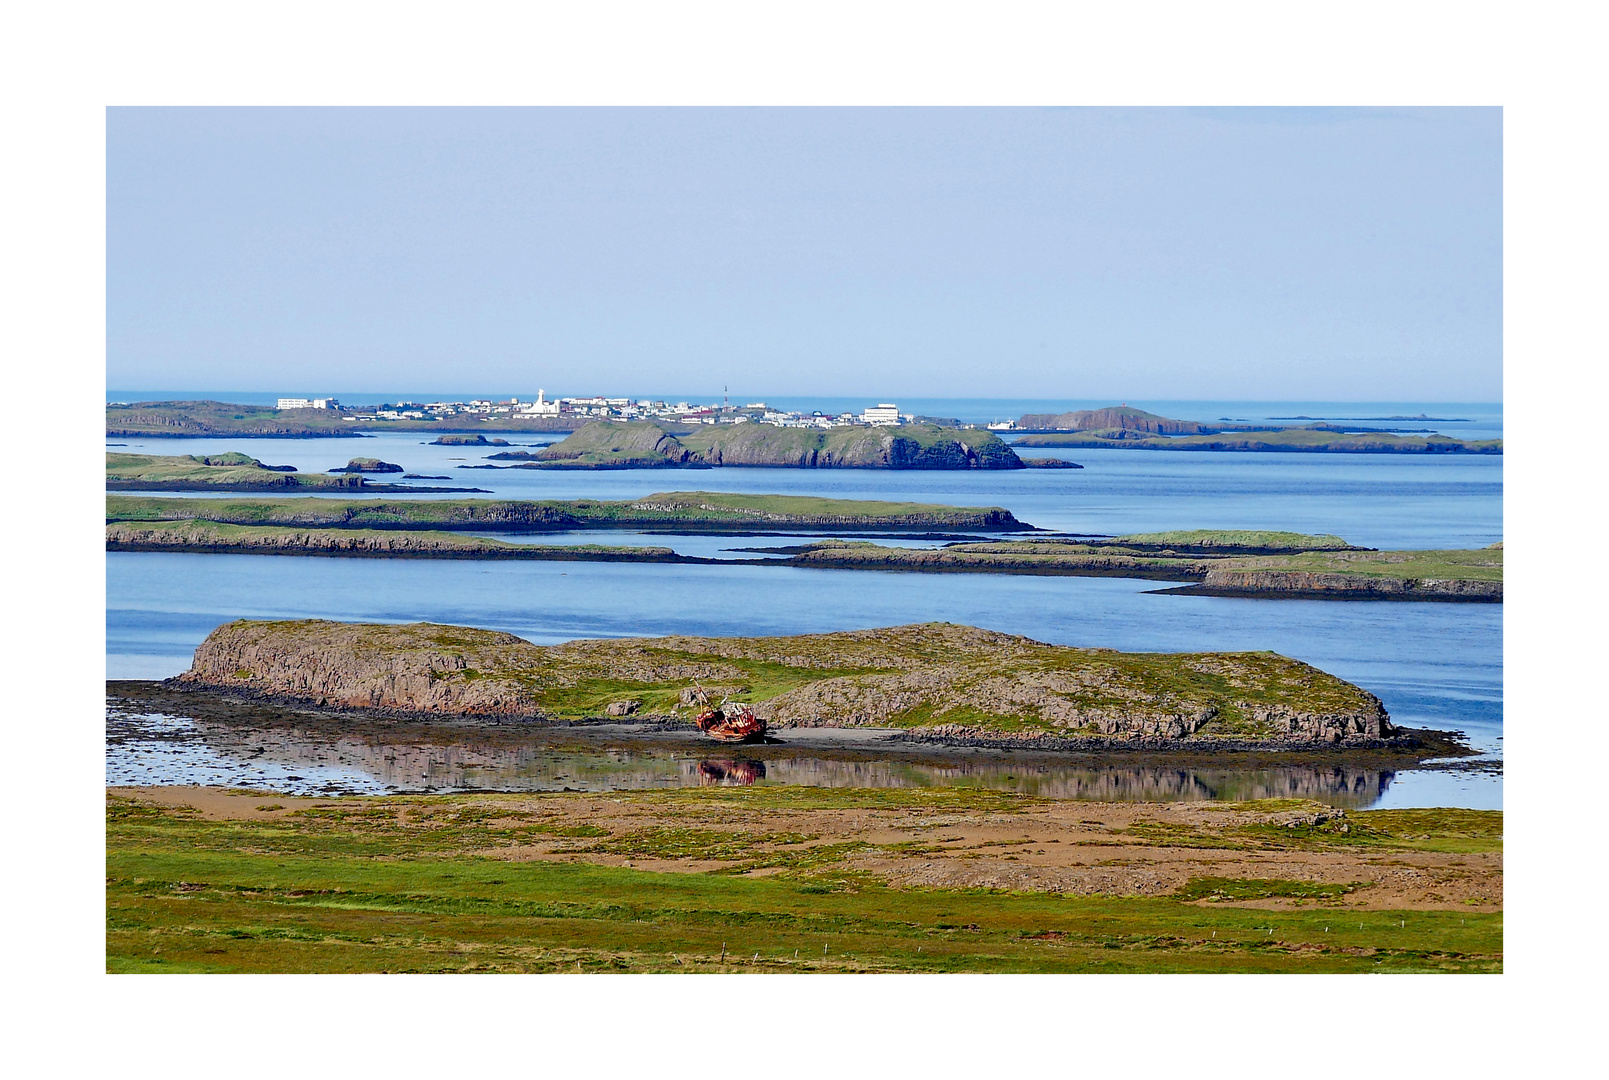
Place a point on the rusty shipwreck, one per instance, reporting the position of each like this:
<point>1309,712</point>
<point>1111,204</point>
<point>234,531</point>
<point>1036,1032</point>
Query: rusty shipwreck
<point>729,721</point>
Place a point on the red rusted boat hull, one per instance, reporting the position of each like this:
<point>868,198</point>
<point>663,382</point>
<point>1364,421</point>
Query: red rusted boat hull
<point>733,725</point>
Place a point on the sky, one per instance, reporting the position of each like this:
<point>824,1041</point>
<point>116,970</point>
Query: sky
<point>1207,254</point>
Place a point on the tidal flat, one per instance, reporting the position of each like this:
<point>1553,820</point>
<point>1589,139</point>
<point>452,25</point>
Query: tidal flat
<point>791,880</point>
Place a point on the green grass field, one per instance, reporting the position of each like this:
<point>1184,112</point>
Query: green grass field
<point>415,884</point>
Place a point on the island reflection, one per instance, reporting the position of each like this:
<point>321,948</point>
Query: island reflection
<point>159,748</point>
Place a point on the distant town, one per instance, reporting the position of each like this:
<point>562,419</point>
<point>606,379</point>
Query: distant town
<point>884,414</point>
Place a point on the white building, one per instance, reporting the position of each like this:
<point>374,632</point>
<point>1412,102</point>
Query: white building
<point>541,406</point>
<point>294,403</point>
<point>881,414</point>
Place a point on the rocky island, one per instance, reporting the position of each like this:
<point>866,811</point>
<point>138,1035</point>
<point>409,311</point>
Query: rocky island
<point>1253,569</point>
<point>678,511</point>
<point>1240,563</point>
<point>1122,427</point>
<point>209,419</point>
<point>934,680</point>
<point>641,444</point>
<point>211,538</point>
<point>368,465</point>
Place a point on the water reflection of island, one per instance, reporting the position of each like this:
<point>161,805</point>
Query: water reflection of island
<point>416,759</point>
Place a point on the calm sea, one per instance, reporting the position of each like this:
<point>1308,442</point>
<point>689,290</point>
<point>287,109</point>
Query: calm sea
<point>1435,665</point>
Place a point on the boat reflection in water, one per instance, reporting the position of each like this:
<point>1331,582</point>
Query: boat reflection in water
<point>731,773</point>
<point>298,754</point>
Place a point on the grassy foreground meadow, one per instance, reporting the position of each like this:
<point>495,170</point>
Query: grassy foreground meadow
<point>791,879</point>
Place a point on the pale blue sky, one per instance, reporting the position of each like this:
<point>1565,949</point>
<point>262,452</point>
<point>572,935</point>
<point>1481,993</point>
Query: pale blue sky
<point>1068,253</point>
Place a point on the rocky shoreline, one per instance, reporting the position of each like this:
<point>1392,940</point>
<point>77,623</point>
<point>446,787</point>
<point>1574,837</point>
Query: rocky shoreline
<point>205,538</point>
<point>1431,742</point>
<point>1122,427</point>
<point>1419,748</point>
<point>1203,575</point>
<point>1308,585</point>
<point>674,511</point>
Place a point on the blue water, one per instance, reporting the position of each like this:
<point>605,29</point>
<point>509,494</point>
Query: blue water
<point>1434,665</point>
<point>1376,500</point>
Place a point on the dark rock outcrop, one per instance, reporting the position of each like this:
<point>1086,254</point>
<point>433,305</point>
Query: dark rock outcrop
<point>368,465</point>
<point>233,458</point>
<point>1302,583</point>
<point>1114,419</point>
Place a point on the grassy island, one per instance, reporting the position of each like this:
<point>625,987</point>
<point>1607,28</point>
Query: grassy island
<point>1244,563</point>
<point>1393,575</point>
<point>210,537</point>
<point>642,444</point>
<point>1232,541</point>
<point>1135,429</point>
<point>239,472</point>
<point>692,511</point>
<point>1289,440</point>
<point>1322,567</point>
<point>947,680</point>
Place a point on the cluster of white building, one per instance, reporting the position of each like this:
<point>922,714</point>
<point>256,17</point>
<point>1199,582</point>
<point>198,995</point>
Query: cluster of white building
<point>885,414</point>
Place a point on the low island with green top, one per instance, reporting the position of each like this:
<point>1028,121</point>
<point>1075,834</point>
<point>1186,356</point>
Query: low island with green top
<point>241,472</point>
<point>1126,428</point>
<point>678,511</point>
<point>939,679</point>
<point>1257,564</point>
